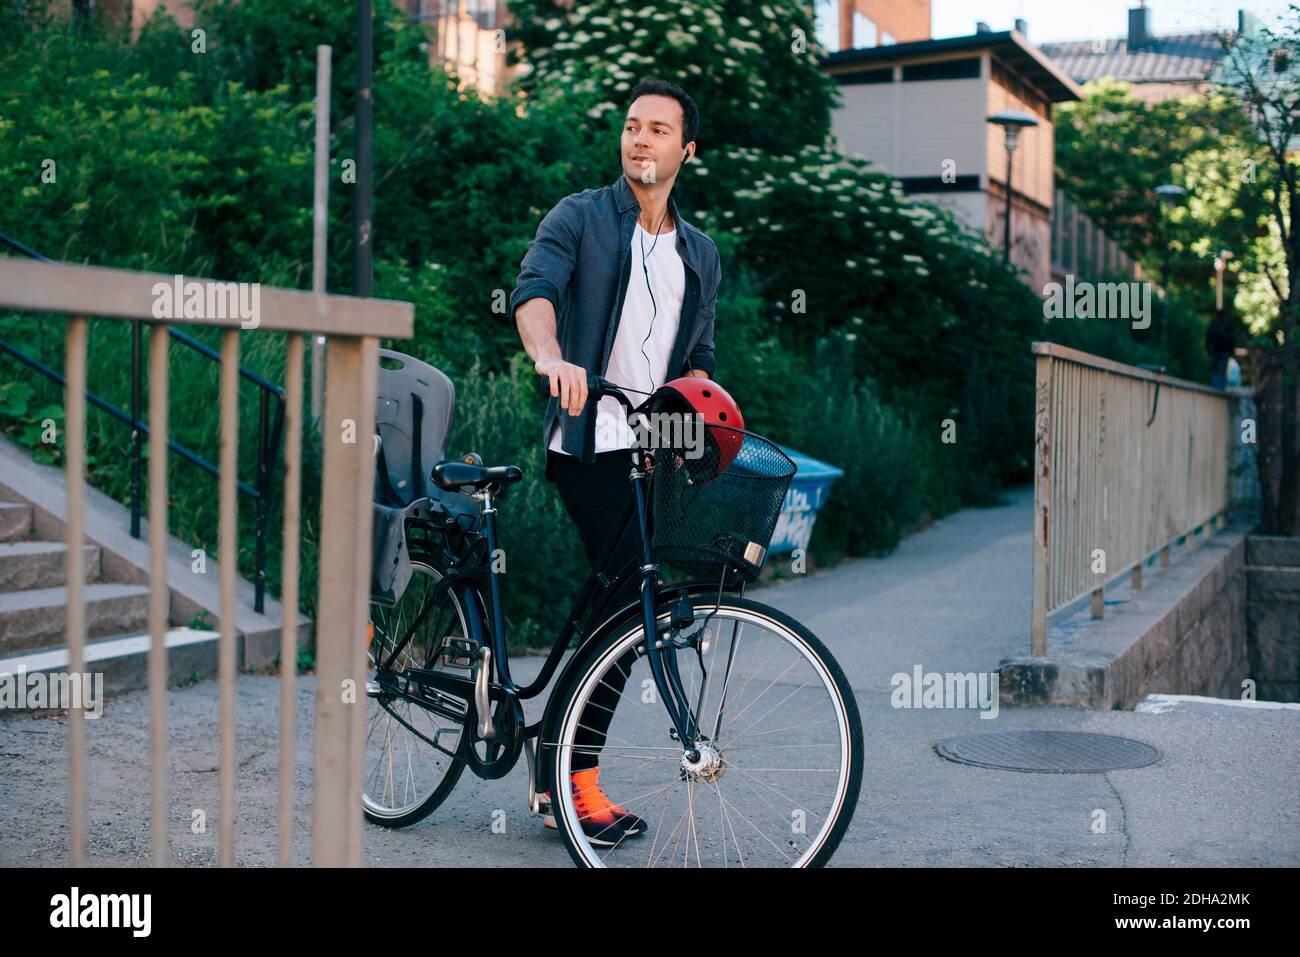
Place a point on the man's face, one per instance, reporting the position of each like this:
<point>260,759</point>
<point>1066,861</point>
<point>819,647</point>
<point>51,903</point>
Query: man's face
<point>652,139</point>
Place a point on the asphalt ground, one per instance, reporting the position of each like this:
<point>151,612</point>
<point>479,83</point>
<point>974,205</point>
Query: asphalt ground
<point>954,597</point>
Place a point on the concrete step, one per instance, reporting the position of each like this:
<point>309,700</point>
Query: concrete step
<point>122,661</point>
<point>15,522</point>
<point>1201,704</point>
<point>35,619</point>
<point>28,565</point>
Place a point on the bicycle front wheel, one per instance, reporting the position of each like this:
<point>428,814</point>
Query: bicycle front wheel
<point>771,779</point>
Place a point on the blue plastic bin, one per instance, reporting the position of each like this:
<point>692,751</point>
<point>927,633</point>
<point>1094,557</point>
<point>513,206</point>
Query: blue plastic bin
<point>808,492</point>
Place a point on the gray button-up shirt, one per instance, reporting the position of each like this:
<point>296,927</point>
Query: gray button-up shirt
<point>580,261</point>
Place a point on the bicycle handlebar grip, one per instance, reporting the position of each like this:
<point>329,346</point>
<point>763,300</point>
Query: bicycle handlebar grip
<point>595,384</point>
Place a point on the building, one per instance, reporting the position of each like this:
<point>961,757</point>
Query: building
<point>853,24</point>
<point>1158,67</point>
<point>919,111</point>
<point>469,39</point>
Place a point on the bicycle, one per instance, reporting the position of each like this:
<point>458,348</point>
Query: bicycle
<point>692,748</point>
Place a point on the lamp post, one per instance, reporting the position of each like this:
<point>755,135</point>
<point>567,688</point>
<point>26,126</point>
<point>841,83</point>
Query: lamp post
<point>363,240</point>
<point>1169,196</point>
<point>1012,122</point>
<point>1220,264</point>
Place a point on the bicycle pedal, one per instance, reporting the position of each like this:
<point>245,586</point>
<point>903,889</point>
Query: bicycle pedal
<point>459,653</point>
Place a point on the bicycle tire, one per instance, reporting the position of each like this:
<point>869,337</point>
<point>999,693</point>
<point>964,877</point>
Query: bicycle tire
<point>625,638</point>
<point>421,567</point>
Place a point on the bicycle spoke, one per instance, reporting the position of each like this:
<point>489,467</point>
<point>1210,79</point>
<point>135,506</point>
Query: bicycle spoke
<point>744,817</point>
<point>731,742</point>
<point>770,686</point>
<point>747,773</point>
<point>796,804</point>
<point>658,827</point>
<point>726,819</point>
<point>403,741</point>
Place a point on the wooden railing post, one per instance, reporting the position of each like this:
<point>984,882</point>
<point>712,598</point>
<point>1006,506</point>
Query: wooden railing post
<point>347,440</point>
<point>74,453</point>
<point>227,557</point>
<point>1043,440</point>
<point>293,363</point>
<point>159,339</point>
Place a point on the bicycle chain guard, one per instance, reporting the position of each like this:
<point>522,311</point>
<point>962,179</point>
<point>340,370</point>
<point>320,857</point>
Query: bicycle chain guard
<point>503,750</point>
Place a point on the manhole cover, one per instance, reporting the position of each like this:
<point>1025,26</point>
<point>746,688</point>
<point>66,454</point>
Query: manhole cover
<point>1059,752</point>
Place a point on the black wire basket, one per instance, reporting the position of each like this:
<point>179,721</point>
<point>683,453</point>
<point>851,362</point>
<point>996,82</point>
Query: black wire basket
<point>716,505</point>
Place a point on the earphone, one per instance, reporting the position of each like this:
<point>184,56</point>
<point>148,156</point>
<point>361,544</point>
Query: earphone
<point>644,269</point>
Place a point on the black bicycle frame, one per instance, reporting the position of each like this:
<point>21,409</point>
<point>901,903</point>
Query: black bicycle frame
<point>594,598</point>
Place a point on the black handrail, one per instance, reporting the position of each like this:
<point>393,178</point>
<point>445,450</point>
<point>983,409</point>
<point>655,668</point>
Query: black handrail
<point>268,440</point>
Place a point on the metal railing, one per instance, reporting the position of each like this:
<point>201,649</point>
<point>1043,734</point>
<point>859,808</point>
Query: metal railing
<point>269,429</point>
<point>1126,462</point>
<point>354,327</point>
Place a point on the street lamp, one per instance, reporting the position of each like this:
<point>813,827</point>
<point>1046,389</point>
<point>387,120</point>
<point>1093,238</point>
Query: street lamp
<point>1012,122</point>
<point>1220,264</point>
<point>1169,196</point>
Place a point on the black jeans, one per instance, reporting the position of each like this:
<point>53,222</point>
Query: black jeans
<point>594,496</point>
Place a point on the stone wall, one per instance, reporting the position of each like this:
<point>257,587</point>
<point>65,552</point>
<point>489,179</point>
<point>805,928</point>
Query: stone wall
<point>1183,633</point>
<point>1273,616</point>
<point>1208,654</point>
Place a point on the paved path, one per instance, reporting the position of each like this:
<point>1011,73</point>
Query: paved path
<point>953,598</point>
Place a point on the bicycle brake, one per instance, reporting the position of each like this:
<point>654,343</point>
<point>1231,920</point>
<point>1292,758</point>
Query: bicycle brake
<point>683,612</point>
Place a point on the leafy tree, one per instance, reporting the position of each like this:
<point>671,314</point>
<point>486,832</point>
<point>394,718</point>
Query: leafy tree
<point>1113,149</point>
<point>1262,71</point>
<point>750,65</point>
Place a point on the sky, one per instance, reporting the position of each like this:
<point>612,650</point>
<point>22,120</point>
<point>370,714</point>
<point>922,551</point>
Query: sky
<point>1087,19</point>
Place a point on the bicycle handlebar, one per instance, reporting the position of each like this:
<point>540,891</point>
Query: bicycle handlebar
<point>598,386</point>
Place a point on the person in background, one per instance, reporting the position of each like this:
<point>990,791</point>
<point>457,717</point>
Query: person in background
<point>1220,341</point>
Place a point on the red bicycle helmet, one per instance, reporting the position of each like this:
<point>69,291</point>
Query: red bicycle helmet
<point>692,394</point>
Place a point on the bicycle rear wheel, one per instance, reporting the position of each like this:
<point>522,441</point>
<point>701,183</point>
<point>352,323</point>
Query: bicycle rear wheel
<point>407,767</point>
<point>779,764</point>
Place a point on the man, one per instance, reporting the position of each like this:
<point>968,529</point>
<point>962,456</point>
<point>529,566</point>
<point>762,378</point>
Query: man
<point>616,283</point>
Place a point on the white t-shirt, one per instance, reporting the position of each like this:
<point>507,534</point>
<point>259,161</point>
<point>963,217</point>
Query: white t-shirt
<point>627,365</point>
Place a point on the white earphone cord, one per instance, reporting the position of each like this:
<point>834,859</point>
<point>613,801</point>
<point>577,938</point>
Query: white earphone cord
<point>649,288</point>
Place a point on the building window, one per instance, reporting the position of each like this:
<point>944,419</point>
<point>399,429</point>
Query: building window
<point>826,22</point>
<point>483,12</point>
<point>864,31</point>
<point>942,70</point>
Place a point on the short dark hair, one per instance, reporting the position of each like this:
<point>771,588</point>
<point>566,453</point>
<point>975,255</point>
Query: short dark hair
<point>653,86</point>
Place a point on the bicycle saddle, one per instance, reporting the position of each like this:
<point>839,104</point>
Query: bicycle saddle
<point>454,475</point>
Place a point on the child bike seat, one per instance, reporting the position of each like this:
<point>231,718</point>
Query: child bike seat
<point>413,417</point>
